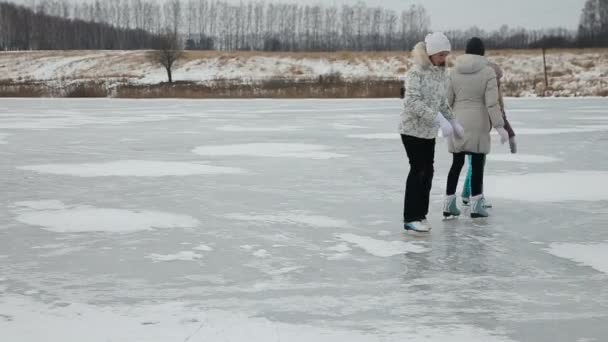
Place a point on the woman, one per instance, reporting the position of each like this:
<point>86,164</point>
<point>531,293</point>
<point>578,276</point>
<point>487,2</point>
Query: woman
<point>466,191</point>
<point>473,97</point>
<point>425,96</point>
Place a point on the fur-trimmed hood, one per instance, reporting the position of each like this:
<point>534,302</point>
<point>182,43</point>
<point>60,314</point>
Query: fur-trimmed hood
<point>420,57</point>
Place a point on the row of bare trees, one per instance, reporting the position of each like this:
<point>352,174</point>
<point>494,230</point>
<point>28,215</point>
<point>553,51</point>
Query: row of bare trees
<point>271,26</point>
<point>255,24</point>
<point>23,29</point>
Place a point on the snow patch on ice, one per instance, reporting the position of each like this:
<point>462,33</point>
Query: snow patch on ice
<point>375,136</point>
<point>594,255</point>
<point>203,248</point>
<point>132,168</point>
<point>382,248</point>
<point>233,128</point>
<point>261,253</point>
<point>269,150</point>
<point>81,219</point>
<point>549,187</point>
<point>293,218</point>
<point>340,126</point>
<point>340,248</point>
<point>181,256</point>
<point>523,158</point>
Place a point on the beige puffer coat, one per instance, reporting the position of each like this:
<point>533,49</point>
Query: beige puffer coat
<point>474,98</point>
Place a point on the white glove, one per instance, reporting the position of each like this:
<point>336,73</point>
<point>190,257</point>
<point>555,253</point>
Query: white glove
<point>504,136</point>
<point>458,129</point>
<point>444,125</point>
<point>513,145</point>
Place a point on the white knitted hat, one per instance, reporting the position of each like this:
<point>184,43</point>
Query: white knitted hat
<point>437,42</point>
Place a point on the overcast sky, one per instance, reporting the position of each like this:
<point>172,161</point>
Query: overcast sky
<point>486,14</point>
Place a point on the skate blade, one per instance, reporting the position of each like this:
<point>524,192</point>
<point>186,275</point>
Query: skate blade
<point>417,232</point>
<point>449,217</point>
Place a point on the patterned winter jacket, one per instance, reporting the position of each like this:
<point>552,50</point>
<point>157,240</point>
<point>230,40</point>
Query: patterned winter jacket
<point>425,95</point>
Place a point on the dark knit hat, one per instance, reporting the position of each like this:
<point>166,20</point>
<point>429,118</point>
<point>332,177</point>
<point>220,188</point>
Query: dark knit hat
<point>475,47</point>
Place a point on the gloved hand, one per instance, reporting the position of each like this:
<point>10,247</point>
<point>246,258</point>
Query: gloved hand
<point>458,129</point>
<point>513,145</point>
<point>444,125</point>
<point>504,136</point>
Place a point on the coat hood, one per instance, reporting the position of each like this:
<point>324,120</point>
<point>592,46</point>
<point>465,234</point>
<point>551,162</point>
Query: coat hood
<point>470,64</point>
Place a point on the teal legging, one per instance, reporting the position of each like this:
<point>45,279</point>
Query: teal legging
<point>466,190</point>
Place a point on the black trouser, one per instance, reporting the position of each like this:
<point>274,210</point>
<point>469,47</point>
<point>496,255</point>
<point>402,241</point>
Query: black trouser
<point>477,164</point>
<point>421,154</point>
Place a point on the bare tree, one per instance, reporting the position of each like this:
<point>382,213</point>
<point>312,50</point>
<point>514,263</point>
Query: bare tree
<point>168,52</point>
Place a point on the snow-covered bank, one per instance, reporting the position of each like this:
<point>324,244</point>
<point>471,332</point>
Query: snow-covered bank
<point>571,72</point>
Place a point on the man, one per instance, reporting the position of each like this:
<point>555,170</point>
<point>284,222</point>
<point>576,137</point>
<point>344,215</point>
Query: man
<point>425,97</point>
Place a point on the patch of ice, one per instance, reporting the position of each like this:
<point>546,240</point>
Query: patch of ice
<point>374,136</point>
<point>591,118</point>
<point>76,121</point>
<point>382,248</point>
<point>173,321</point>
<point>341,126</point>
<point>551,131</point>
<point>204,248</point>
<point>522,158</point>
<point>181,256</point>
<point>596,110</point>
<point>284,270</point>
<point>594,255</point>
<point>247,247</point>
<point>295,218</point>
<point>233,128</point>
<point>90,219</point>
<point>525,110</point>
<point>41,205</point>
<point>340,248</point>
<point>269,150</point>
<point>549,187</point>
<point>2,137</point>
<point>62,251</point>
<point>338,256</point>
<point>132,168</point>
<point>261,253</point>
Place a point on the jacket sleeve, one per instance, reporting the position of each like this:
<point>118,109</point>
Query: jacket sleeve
<point>414,103</point>
<point>492,101</point>
<point>447,103</point>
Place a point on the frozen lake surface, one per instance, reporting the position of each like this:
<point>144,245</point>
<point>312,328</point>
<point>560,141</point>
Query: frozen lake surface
<point>280,220</point>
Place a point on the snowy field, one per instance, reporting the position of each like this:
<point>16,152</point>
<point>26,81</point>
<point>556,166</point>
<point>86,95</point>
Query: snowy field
<point>262,220</point>
<point>571,72</point>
